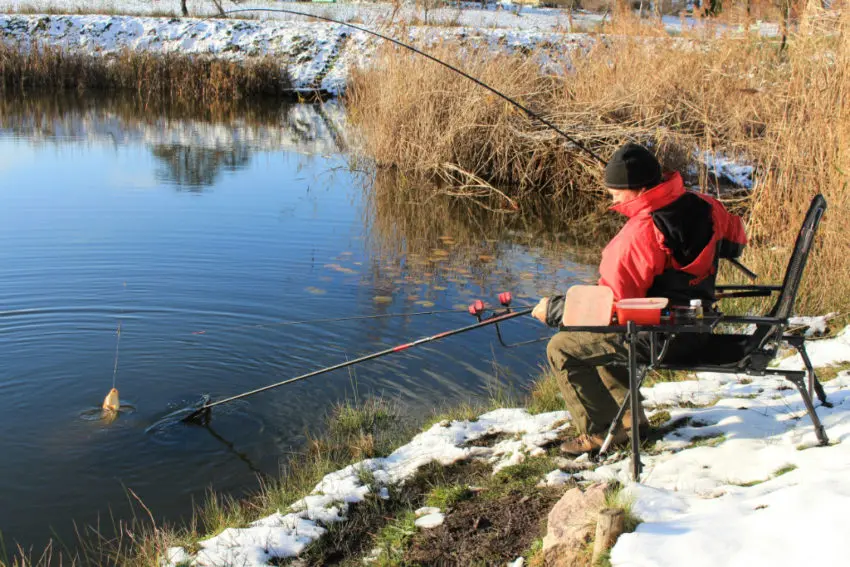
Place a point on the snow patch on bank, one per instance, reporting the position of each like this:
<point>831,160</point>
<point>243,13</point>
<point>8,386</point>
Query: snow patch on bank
<point>744,483</point>
<point>728,169</point>
<point>286,535</point>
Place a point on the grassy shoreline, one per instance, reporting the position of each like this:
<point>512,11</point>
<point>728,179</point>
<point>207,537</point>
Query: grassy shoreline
<point>380,529</point>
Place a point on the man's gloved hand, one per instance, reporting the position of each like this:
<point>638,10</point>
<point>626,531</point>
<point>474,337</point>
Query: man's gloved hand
<point>549,310</point>
<point>539,311</point>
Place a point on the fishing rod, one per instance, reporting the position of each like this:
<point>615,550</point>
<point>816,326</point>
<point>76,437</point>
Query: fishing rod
<point>478,82</point>
<point>201,415</point>
<point>330,320</point>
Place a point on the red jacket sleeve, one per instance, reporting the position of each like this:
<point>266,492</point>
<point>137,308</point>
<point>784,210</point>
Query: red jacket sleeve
<point>630,263</point>
<point>731,237</point>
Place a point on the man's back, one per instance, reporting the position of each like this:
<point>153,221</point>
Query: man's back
<point>670,245</point>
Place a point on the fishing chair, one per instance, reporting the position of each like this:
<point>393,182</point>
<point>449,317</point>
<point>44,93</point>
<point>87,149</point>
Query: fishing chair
<point>730,353</point>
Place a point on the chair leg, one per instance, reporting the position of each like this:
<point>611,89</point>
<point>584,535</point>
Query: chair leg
<point>634,398</point>
<point>820,432</point>
<point>612,429</point>
<point>815,387</point>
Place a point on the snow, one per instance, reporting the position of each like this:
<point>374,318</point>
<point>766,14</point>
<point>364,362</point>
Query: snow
<point>729,169</point>
<point>762,493</point>
<point>286,535</point>
<point>429,521</point>
<point>555,478</point>
<point>367,14</point>
<point>814,325</point>
<point>176,556</point>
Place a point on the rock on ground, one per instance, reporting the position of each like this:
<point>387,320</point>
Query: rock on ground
<point>571,526</point>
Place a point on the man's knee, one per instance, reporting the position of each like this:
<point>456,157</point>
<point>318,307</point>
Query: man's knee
<point>559,350</point>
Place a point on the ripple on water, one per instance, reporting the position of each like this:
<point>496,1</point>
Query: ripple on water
<point>169,428</point>
<point>100,414</point>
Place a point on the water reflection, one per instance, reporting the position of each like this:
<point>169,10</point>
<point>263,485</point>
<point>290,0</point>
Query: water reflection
<point>427,239</point>
<point>192,149</point>
<point>196,168</point>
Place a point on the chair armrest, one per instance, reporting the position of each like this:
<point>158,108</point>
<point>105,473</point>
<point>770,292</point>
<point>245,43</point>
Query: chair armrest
<point>752,320</point>
<point>762,288</point>
<point>755,293</point>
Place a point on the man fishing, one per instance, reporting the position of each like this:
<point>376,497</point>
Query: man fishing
<point>669,247</point>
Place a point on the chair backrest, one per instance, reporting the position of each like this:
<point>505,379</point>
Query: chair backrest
<point>797,263</point>
<point>794,273</point>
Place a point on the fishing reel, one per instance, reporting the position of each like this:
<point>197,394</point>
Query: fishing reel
<point>478,309</point>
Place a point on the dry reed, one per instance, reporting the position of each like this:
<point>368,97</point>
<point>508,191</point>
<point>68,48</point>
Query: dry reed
<point>783,109</point>
<point>152,78</point>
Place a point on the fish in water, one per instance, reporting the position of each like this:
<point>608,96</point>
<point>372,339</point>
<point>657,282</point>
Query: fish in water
<point>111,402</point>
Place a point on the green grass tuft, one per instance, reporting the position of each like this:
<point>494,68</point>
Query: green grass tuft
<point>784,470</point>
<point>616,497</point>
<point>831,372</point>
<point>393,539</point>
<point>349,418</point>
<point>654,377</point>
<point>749,483</point>
<point>659,418</point>
<point>711,440</point>
<point>545,395</point>
<point>444,497</point>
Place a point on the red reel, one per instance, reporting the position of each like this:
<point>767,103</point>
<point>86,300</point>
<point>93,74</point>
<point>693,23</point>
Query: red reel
<point>505,298</point>
<point>476,308</point>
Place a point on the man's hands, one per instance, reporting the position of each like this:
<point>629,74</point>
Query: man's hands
<point>539,312</point>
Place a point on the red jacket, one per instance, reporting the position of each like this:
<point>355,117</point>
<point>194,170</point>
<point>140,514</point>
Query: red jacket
<point>670,245</point>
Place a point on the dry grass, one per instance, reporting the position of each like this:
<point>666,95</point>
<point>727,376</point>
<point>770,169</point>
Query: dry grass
<point>153,79</point>
<point>785,110</point>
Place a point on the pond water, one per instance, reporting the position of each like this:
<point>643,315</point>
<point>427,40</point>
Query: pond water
<point>171,226</point>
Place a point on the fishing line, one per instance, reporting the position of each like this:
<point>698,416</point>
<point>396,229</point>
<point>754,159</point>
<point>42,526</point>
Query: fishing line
<point>330,320</point>
<point>117,344</point>
<point>478,82</point>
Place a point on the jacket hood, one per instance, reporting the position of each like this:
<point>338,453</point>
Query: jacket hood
<point>670,189</point>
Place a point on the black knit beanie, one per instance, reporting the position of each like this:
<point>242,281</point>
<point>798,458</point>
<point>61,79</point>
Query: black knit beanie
<point>632,167</point>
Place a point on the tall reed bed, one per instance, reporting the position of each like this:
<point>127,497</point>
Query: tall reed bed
<point>152,78</point>
<point>783,109</point>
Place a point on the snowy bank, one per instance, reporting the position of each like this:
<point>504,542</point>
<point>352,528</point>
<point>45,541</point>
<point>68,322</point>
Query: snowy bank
<point>317,56</point>
<point>741,484</point>
<point>745,482</point>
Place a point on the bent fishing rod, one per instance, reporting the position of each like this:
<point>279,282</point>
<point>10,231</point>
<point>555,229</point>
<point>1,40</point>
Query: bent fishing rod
<point>478,82</point>
<point>202,413</point>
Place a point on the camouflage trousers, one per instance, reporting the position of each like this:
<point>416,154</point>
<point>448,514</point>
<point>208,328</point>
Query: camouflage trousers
<point>593,376</point>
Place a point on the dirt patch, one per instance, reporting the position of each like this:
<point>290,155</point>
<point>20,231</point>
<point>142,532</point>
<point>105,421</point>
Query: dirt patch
<point>488,440</point>
<point>485,531</point>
